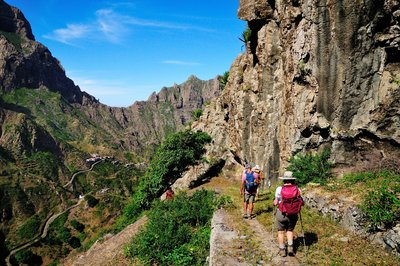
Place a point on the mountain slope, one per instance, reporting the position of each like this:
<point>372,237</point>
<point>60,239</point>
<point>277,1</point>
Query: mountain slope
<point>49,127</point>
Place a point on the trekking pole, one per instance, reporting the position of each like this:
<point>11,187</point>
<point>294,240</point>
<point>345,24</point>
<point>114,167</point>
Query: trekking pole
<point>304,236</point>
<point>273,224</point>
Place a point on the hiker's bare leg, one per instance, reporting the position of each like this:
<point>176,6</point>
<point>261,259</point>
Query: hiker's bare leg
<point>251,205</point>
<point>290,237</point>
<point>281,238</point>
<point>245,207</point>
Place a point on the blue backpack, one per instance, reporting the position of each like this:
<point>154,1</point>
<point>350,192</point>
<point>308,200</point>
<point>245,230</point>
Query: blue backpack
<point>250,183</point>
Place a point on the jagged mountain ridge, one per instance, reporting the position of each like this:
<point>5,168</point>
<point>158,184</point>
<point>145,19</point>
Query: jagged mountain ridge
<point>314,74</point>
<point>25,63</point>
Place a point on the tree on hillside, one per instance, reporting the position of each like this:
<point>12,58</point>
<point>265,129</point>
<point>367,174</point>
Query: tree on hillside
<point>172,158</point>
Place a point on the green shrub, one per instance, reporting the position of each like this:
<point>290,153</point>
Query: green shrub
<point>64,234</point>
<point>74,242</point>
<point>92,201</point>
<point>57,232</point>
<point>175,154</point>
<point>196,114</point>
<point>246,35</point>
<point>224,78</point>
<point>224,201</point>
<point>311,168</point>
<point>77,225</point>
<point>382,203</point>
<point>29,229</point>
<point>177,232</point>
<point>381,206</point>
<point>28,257</point>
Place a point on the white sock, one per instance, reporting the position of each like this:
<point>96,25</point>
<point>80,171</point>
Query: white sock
<point>290,243</point>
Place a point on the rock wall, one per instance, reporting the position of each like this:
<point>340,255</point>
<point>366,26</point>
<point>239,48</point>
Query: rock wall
<point>314,74</point>
<point>345,212</point>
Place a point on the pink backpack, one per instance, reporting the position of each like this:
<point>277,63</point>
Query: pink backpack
<point>291,201</point>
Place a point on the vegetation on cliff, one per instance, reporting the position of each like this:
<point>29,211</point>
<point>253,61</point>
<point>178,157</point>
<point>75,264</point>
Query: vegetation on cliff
<point>178,231</point>
<point>172,158</point>
<point>308,167</point>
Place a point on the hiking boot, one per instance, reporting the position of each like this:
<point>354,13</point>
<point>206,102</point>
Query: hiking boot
<point>252,216</point>
<point>245,216</point>
<point>290,250</point>
<point>282,252</point>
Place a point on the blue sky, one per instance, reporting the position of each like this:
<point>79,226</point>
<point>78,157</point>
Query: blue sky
<point>122,51</point>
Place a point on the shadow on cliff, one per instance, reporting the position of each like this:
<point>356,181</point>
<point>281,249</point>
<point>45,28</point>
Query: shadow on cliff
<point>213,171</point>
<point>3,249</point>
<point>15,108</point>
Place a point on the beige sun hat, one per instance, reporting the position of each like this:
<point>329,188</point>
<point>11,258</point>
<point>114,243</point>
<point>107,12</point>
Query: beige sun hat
<point>288,175</point>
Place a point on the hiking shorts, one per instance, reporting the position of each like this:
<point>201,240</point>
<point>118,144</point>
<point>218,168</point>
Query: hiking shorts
<point>249,198</point>
<point>285,223</point>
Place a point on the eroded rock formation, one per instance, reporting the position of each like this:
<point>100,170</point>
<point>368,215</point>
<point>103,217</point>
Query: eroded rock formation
<point>315,73</point>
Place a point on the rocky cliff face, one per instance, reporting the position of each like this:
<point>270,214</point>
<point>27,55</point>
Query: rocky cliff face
<point>315,73</point>
<point>27,63</point>
<point>146,123</point>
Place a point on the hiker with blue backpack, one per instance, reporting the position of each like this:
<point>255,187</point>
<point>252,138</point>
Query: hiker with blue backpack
<point>289,201</point>
<point>248,188</point>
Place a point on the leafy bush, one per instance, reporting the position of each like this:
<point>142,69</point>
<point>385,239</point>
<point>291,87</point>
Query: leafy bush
<point>224,78</point>
<point>57,232</point>
<point>29,228</point>
<point>28,257</point>
<point>64,234</point>
<point>77,225</point>
<point>92,201</point>
<point>224,201</point>
<point>176,153</point>
<point>74,242</point>
<point>381,206</point>
<point>177,232</point>
<point>246,35</point>
<point>196,114</point>
<point>311,168</point>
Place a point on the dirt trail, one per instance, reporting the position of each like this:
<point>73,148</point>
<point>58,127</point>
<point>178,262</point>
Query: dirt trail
<point>108,251</point>
<point>268,244</point>
<point>227,247</point>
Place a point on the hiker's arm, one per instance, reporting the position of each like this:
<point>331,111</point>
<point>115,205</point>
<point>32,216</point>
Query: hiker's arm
<point>277,196</point>
<point>241,188</point>
<point>275,201</point>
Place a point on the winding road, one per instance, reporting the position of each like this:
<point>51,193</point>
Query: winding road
<point>81,172</point>
<point>50,220</point>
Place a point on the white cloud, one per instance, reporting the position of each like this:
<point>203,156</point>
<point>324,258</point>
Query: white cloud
<point>183,63</point>
<point>112,26</point>
<point>71,32</point>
